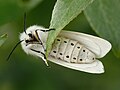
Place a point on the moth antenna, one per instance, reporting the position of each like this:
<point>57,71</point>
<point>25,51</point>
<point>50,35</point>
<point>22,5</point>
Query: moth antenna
<point>25,22</point>
<point>14,49</point>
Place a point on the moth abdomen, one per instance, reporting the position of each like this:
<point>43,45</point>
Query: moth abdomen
<point>71,51</point>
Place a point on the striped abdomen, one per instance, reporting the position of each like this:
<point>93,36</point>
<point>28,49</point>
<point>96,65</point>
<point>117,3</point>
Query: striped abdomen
<point>71,51</point>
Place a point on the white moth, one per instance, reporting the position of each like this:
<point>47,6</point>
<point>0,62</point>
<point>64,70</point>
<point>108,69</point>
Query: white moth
<point>73,50</point>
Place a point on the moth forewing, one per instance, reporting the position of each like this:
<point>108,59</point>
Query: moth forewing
<point>95,67</point>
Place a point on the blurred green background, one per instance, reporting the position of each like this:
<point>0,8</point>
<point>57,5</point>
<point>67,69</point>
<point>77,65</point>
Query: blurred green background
<point>24,72</point>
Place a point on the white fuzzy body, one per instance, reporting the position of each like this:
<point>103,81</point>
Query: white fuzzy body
<point>65,49</point>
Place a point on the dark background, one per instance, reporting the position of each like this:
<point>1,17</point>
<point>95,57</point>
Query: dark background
<point>24,72</point>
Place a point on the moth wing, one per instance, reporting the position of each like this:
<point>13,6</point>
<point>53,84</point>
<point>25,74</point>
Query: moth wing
<point>95,67</point>
<point>97,45</point>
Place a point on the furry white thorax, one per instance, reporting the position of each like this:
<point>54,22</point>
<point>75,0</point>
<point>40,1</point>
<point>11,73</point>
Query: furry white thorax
<point>42,35</point>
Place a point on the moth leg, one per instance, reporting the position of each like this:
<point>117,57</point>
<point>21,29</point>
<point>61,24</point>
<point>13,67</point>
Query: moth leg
<point>42,54</point>
<point>40,40</point>
<point>48,30</point>
<point>39,52</point>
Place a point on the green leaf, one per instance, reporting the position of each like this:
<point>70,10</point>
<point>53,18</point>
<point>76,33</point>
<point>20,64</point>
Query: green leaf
<point>104,17</point>
<point>11,10</point>
<point>64,11</point>
<point>3,39</point>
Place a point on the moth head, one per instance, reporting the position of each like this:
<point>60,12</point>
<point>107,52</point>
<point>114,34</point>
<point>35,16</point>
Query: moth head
<point>30,35</point>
